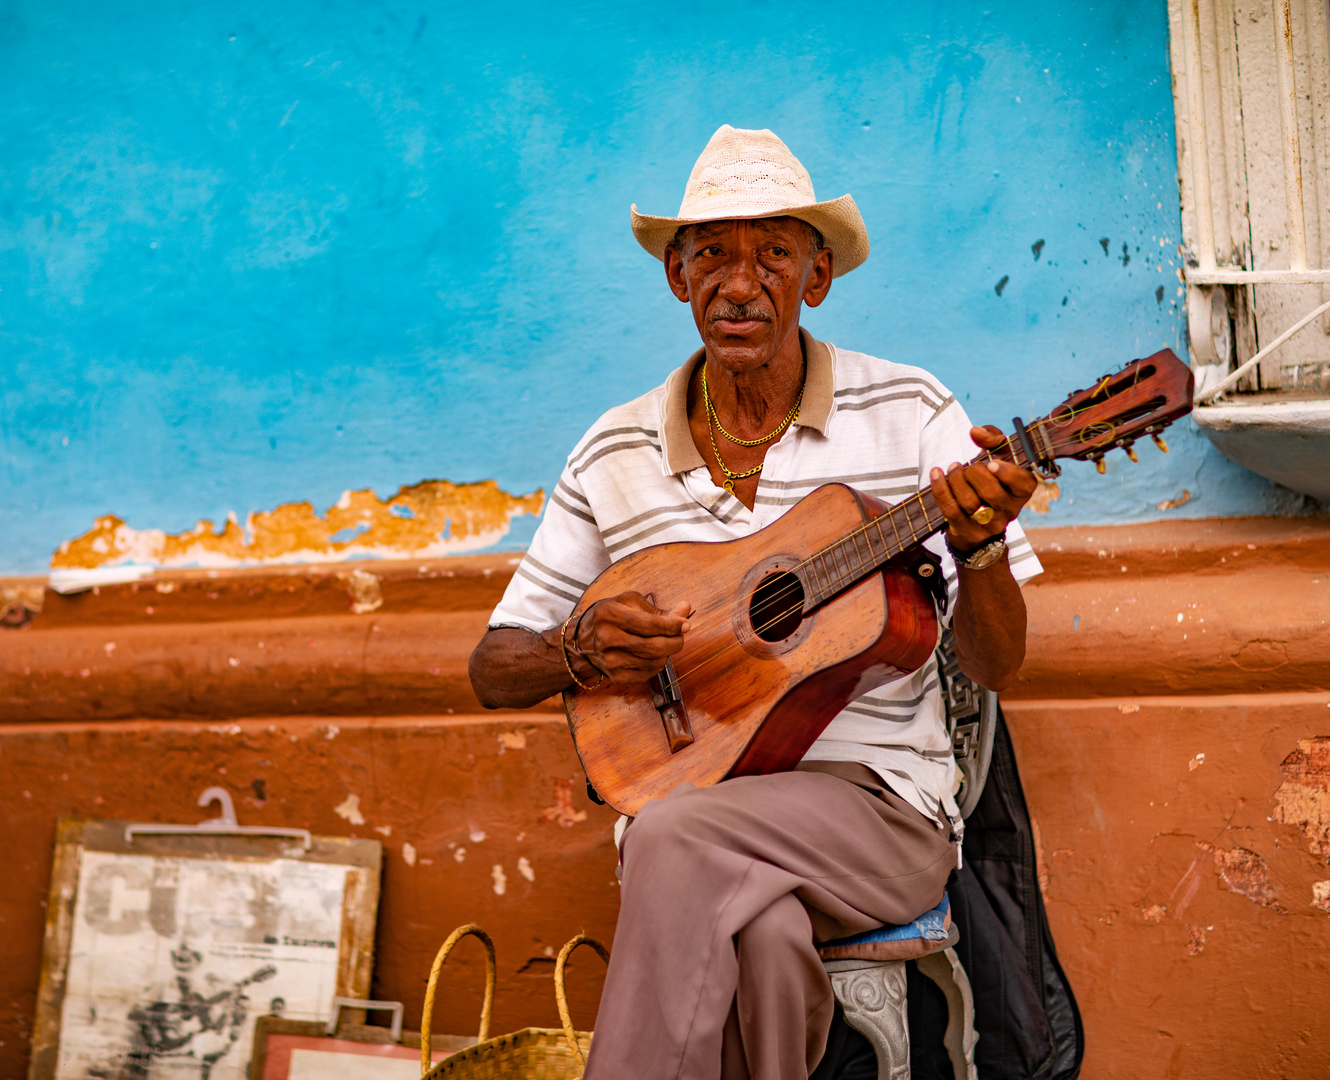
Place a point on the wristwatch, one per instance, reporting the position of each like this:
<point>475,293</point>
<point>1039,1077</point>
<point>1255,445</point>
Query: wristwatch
<point>981,557</point>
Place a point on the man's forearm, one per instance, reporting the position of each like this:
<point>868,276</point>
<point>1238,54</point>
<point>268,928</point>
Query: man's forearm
<point>989,624</point>
<point>515,669</point>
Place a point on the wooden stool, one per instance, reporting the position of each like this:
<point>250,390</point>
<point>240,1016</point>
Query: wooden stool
<point>868,977</point>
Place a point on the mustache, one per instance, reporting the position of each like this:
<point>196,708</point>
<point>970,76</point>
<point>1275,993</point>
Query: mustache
<point>723,309</point>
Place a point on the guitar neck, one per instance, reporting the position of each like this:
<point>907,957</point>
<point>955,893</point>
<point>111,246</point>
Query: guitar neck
<point>874,544</point>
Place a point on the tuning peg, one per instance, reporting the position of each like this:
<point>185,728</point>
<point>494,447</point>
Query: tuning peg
<point>1131,453</point>
<point>1099,465</point>
<point>1163,446</point>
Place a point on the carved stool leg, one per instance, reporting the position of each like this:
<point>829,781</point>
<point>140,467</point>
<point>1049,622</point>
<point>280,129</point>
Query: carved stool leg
<point>872,994</point>
<point>945,969</point>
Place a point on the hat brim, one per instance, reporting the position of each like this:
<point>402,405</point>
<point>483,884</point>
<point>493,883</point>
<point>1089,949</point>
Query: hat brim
<point>839,222</point>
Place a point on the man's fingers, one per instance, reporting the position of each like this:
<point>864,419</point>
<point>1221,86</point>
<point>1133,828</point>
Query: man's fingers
<point>967,498</point>
<point>987,437</point>
<point>613,639</point>
<point>992,492</point>
<point>645,623</point>
<point>942,495</point>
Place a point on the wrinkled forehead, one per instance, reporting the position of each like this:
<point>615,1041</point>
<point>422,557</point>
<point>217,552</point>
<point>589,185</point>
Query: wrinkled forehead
<point>773,226</point>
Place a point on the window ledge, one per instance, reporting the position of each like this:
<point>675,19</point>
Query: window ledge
<point>1284,439</point>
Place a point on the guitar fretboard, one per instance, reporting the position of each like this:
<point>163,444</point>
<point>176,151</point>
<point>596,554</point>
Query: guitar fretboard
<point>852,558</point>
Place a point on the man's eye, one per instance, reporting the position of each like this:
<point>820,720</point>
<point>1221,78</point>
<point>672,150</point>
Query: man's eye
<point>711,249</point>
<point>779,252</point>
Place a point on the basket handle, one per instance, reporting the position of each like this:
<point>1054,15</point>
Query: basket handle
<point>485,1010</point>
<point>561,994</point>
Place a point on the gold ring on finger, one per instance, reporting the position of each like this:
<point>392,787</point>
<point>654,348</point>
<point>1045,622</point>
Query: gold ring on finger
<point>983,515</point>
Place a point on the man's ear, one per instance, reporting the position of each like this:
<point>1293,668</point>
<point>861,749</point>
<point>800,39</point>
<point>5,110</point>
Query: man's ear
<point>674,274</point>
<point>819,277</point>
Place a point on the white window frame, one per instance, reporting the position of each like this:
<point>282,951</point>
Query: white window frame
<point>1251,91</point>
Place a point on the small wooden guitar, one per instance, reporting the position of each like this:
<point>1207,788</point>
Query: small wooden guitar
<point>793,623</point>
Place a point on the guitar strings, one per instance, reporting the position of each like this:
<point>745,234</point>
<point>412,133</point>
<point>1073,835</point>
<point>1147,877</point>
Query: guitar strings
<point>839,583</point>
<point>864,569</point>
<point>1017,454</point>
<point>788,591</point>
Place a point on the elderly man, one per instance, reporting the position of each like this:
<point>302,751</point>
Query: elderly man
<point>727,889</point>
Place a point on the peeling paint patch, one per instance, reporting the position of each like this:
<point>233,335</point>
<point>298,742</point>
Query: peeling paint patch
<point>1195,940</point>
<point>500,880</point>
<point>1245,873</point>
<point>1154,913</point>
<point>384,830</point>
<point>1196,762</point>
<point>459,855</point>
<point>1039,861</point>
<point>426,520</point>
<point>1045,492</point>
<point>1184,892</point>
<point>1321,895</point>
<point>1180,499</point>
<point>364,590</point>
<point>562,811</point>
<point>349,808</point>
<point>409,853</point>
<point>1303,799</point>
<point>20,603</point>
<point>511,740</point>
<point>524,868</point>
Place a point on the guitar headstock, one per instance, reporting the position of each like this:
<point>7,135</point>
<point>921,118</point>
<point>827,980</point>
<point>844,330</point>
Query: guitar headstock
<point>1142,398</point>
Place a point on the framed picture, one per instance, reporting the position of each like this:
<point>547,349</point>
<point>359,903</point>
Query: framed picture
<point>298,1050</point>
<point>164,944</point>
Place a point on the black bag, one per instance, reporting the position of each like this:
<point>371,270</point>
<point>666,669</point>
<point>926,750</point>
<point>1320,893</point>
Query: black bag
<point>1025,1012</point>
<point>1024,1009</point>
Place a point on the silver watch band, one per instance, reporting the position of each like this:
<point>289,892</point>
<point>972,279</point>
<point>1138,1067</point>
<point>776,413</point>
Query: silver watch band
<point>987,555</point>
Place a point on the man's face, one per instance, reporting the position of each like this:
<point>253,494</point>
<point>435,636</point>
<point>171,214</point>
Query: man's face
<point>745,281</point>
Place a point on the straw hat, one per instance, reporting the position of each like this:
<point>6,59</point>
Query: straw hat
<point>752,174</point>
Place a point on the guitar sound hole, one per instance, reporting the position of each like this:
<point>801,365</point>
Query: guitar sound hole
<point>777,607</point>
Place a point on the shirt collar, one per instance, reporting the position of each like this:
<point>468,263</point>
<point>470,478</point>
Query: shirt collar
<point>679,451</point>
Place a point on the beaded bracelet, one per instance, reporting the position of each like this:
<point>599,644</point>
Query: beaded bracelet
<point>563,647</point>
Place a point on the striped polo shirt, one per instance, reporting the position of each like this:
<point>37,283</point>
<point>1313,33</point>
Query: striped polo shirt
<point>637,479</point>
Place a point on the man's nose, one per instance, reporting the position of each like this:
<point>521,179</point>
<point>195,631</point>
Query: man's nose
<point>741,285</point>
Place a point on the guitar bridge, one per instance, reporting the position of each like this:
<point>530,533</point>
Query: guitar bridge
<point>669,703</point>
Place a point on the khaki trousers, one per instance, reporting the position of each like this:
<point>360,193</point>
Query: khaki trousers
<point>725,889</point>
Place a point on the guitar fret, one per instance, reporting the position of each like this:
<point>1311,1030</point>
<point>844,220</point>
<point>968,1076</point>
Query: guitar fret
<point>842,576</point>
<point>812,586</point>
<point>846,551</point>
<point>882,539</point>
<point>833,575</point>
<point>923,510</point>
<point>865,564</point>
<point>900,545</point>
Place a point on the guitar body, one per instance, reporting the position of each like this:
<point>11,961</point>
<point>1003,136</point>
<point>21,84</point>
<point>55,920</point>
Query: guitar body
<point>756,695</point>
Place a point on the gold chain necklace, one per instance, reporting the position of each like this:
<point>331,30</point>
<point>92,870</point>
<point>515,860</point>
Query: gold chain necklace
<point>715,418</point>
<point>730,475</point>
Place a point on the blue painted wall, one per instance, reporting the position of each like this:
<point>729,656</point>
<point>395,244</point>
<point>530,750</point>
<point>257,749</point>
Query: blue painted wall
<point>259,252</point>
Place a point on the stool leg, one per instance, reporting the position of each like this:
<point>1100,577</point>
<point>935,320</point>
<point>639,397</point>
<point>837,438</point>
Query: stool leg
<point>872,994</point>
<point>945,969</point>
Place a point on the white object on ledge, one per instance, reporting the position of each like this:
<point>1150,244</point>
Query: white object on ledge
<point>80,580</point>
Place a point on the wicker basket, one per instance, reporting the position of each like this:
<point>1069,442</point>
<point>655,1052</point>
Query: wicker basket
<point>528,1054</point>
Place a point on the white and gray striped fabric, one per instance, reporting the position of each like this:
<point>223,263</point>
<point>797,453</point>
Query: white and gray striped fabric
<point>636,479</point>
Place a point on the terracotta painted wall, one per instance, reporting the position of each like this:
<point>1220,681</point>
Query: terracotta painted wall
<point>1172,722</point>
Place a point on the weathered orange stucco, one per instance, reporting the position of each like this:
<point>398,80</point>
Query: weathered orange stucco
<point>426,520</point>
